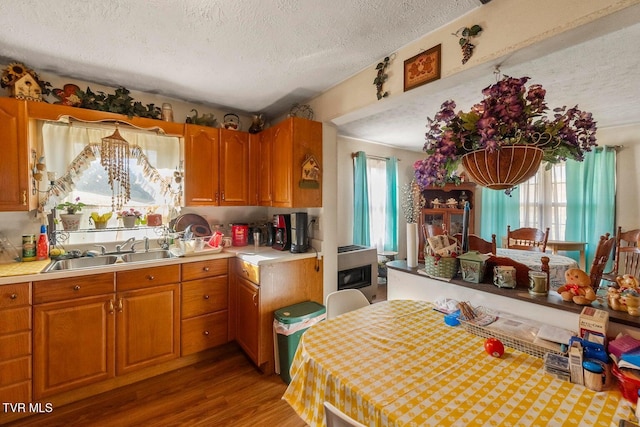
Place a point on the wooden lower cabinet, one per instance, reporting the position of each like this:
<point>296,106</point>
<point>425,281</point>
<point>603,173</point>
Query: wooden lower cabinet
<point>73,344</point>
<point>81,340</point>
<point>205,305</point>
<point>247,322</point>
<point>15,343</point>
<point>257,291</point>
<point>148,327</point>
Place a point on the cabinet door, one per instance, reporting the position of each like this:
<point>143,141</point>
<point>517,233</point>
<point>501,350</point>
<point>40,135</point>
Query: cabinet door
<point>282,165</point>
<point>15,191</point>
<point>248,315</point>
<point>148,327</point>
<point>234,168</point>
<point>201,166</point>
<point>73,344</point>
<point>265,159</point>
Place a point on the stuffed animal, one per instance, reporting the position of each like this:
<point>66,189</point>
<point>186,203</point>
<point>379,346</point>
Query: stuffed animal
<point>577,287</point>
<point>627,296</point>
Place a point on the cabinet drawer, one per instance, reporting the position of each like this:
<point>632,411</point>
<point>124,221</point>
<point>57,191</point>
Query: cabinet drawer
<point>203,332</point>
<point>202,269</point>
<point>16,393</point>
<point>15,345</point>
<point>14,371</point>
<point>204,296</point>
<point>72,287</point>
<point>247,270</point>
<point>15,320</point>
<point>147,277</point>
<point>15,295</point>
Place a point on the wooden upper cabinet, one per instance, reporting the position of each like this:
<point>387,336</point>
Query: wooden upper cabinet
<point>16,185</point>
<point>294,142</point>
<point>263,166</point>
<point>234,168</point>
<point>201,156</point>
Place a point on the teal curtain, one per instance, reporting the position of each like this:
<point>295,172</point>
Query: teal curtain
<point>498,211</point>
<point>391,226</point>
<point>360,200</point>
<point>591,201</point>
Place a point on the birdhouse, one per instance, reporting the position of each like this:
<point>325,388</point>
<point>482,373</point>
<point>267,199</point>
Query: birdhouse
<point>26,87</point>
<point>310,173</point>
<point>472,265</point>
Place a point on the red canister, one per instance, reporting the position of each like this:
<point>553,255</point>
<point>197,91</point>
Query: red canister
<point>239,234</point>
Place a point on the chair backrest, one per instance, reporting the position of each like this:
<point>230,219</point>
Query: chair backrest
<point>343,301</point>
<point>433,230</point>
<point>627,254</point>
<point>334,417</point>
<point>603,252</point>
<point>527,239</point>
<point>477,243</point>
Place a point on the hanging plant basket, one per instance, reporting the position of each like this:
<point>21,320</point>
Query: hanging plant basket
<point>504,168</point>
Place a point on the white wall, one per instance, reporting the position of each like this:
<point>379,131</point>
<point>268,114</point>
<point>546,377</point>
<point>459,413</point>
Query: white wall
<point>347,146</point>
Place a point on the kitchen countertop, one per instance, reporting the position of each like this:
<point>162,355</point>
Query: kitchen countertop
<point>29,271</point>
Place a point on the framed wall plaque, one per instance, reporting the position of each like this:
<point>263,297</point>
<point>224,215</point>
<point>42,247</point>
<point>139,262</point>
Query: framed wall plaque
<point>422,68</point>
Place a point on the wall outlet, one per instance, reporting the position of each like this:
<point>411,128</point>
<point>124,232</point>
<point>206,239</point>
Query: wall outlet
<point>315,223</point>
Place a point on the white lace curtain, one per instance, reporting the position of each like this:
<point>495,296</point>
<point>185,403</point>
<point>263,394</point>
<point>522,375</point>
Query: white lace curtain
<point>67,150</point>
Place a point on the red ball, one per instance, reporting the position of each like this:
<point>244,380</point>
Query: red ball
<point>494,347</point>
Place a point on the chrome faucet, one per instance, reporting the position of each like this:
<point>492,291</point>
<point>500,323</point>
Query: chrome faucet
<point>119,248</point>
<point>145,240</point>
<point>103,250</point>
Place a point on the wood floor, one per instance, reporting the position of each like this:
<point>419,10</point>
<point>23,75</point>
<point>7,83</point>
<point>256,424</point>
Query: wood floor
<point>226,391</point>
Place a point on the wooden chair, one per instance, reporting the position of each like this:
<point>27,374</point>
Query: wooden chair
<point>626,256</point>
<point>433,230</point>
<point>603,251</point>
<point>527,239</point>
<point>477,243</point>
<point>334,417</point>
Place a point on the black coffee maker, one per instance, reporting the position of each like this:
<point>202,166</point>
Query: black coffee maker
<point>299,236</point>
<point>282,225</point>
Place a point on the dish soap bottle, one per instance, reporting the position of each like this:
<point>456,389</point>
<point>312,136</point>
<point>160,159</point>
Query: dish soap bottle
<point>42,248</point>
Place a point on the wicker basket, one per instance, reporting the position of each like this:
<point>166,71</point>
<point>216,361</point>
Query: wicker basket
<point>485,318</point>
<point>445,267</point>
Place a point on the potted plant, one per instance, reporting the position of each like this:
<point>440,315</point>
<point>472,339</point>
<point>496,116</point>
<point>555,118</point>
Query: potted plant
<point>100,221</point>
<point>502,140</point>
<point>71,219</point>
<point>130,217</point>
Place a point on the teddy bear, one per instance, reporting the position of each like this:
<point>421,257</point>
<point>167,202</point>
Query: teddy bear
<point>627,296</point>
<point>577,287</point>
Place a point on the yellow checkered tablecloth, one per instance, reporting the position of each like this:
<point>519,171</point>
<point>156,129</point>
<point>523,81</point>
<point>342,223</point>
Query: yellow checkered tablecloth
<point>396,363</point>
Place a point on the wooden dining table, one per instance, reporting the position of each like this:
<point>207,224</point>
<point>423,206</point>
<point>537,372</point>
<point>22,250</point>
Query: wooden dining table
<point>395,363</point>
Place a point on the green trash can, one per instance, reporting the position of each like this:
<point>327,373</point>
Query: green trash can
<point>289,324</point>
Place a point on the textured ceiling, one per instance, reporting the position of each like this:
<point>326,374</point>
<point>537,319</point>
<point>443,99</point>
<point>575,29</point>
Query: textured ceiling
<point>265,55</point>
<point>248,55</point>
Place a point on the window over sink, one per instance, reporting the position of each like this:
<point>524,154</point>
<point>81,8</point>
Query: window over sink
<point>72,155</point>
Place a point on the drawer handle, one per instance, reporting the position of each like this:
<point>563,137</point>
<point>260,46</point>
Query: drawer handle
<point>245,271</point>
<point>205,269</point>
<point>206,297</point>
<point>206,333</point>
<point>151,277</point>
<point>120,305</point>
<point>13,296</point>
<point>76,288</point>
<point>111,307</point>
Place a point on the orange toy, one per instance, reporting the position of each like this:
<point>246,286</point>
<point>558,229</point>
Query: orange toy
<point>577,287</point>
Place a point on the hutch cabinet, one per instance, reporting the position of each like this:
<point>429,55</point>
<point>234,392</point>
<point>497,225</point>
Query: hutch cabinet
<point>448,216</point>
